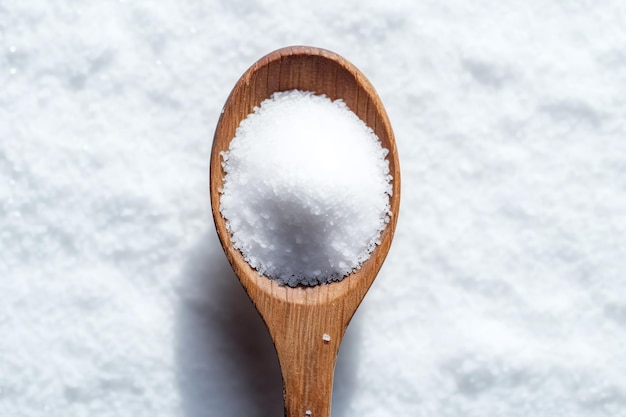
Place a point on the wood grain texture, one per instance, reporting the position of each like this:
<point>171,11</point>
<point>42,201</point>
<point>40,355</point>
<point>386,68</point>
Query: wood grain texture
<point>297,318</point>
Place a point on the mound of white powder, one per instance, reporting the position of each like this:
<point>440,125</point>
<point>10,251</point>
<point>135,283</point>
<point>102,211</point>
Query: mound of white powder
<point>306,189</point>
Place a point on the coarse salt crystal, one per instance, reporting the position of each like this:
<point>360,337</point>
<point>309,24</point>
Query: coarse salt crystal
<point>306,189</point>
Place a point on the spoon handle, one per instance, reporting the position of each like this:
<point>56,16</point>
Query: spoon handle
<point>307,343</point>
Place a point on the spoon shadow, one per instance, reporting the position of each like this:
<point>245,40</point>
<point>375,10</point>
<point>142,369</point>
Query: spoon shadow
<point>226,362</point>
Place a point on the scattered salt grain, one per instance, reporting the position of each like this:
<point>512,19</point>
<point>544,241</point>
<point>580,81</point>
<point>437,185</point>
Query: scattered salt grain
<point>326,337</point>
<point>306,189</point>
<point>308,412</point>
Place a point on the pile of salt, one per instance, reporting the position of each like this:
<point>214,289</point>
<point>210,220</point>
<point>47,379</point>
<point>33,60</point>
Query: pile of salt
<point>306,189</point>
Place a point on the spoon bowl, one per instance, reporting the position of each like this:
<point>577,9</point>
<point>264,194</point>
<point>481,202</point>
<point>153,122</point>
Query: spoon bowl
<point>306,324</point>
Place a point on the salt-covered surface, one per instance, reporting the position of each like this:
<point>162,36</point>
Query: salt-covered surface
<point>306,189</point>
<point>504,293</point>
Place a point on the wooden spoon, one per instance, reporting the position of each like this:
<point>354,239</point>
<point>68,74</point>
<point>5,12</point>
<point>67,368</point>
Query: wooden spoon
<point>306,323</point>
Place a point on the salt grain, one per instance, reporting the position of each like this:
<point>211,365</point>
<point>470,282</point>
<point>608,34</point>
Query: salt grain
<point>326,337</point>
<point>306,189</point>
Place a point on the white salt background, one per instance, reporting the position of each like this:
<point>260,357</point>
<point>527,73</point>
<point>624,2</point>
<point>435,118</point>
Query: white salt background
<point>504,293</point>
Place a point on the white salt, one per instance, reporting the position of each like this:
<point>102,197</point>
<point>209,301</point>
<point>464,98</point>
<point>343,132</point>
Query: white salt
<point>326,337</point>
<point>306,189</point>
